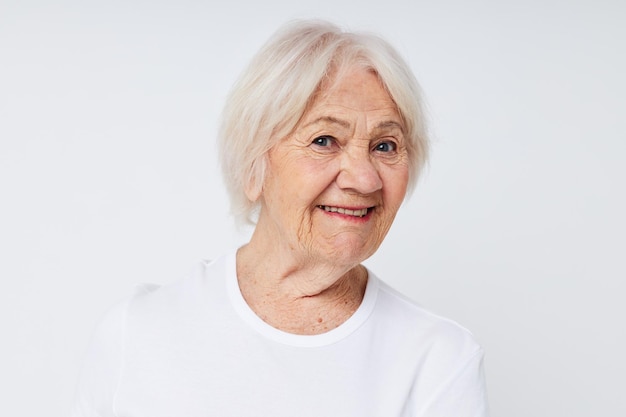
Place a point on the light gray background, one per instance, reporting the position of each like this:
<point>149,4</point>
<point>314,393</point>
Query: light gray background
<point>108,178</point>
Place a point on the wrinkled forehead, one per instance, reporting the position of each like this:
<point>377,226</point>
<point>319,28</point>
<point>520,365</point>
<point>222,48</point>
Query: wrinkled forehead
<point>354,88</point>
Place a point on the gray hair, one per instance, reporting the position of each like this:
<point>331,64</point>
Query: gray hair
<point>272,94</point>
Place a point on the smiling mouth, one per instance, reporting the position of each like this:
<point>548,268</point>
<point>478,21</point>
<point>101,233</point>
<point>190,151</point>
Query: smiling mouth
<point>347,212</point>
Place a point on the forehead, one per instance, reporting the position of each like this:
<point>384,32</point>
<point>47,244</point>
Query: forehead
<point>355,89</point>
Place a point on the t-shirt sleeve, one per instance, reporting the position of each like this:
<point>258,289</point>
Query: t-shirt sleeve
<point>463,394</point>
<point>102,366</point>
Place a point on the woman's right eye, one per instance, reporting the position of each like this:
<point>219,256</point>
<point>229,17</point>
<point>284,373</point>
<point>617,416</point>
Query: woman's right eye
<point>323,141</point>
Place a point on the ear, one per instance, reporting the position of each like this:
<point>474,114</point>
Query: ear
<point>253,189</point>
<point>254,185</point>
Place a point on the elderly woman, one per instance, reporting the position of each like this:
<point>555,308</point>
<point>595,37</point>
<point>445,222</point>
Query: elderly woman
<point>322,137</point>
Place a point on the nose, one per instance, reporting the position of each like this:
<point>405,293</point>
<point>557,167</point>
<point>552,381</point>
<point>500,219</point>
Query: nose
<point>358,174</point>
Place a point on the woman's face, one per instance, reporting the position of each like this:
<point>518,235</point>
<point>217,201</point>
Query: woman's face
<point>334,185</point>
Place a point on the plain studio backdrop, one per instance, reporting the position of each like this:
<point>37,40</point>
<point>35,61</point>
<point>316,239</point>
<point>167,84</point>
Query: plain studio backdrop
<point>109,178</point>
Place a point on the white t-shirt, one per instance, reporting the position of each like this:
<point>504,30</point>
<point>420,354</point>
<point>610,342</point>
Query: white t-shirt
<point>195,349</point>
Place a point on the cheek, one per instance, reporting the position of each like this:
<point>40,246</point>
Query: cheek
<point>309,177</point>
<point>283,174</point>
<point>395,182</point>
<point>294,187</point>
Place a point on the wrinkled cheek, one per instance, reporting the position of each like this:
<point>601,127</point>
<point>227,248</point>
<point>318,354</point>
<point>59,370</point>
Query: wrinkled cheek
<point>383,226</point>
<point>304,232</point>
<point>381,232</point>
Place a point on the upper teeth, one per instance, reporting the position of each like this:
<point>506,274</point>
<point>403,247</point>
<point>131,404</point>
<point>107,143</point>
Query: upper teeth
<point>356,213</point>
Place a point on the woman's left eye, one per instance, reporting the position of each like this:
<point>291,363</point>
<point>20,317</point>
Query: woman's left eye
<point>385,147</point>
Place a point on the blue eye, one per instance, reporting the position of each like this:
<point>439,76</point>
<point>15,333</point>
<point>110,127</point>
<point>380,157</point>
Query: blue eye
<point>323,141</point>
<point>385,147</point>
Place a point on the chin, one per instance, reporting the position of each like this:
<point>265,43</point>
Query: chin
<point>349,251</point>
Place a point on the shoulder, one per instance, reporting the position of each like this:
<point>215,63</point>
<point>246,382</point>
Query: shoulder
<point>150,314</point>
<point>444,357</point>
<point>152,299</point>
<point>440,336</point>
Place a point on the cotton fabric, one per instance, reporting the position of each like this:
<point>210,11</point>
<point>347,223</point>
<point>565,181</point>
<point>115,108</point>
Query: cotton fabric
<point>194,348</point>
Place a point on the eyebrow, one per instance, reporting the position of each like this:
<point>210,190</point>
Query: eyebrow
<point>329,119</point>
<point>390,124</point>
<point>387,125</point>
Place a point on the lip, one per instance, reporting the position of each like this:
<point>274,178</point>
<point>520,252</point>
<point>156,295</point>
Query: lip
<point>351,212</point>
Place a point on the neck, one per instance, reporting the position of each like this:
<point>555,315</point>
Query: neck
<point>301,296</point>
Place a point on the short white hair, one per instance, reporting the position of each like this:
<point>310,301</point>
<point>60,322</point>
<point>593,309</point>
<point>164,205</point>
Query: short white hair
<point>272,94</point>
